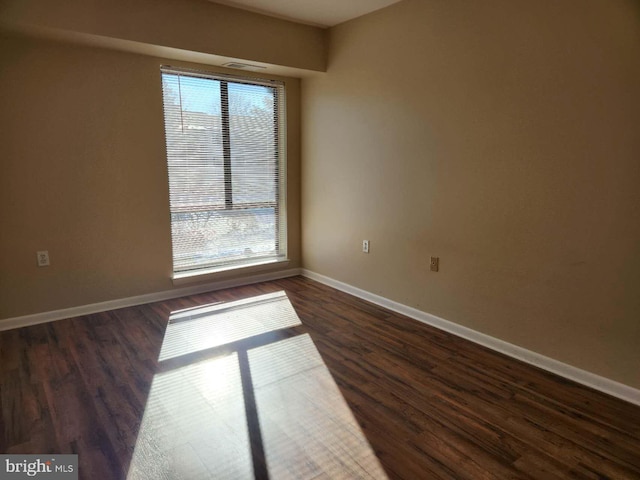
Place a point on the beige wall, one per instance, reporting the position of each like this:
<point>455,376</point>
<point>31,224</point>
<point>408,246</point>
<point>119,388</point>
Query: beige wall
<point>502,136</point>
<point>83,175</point>
<point>190,25</point>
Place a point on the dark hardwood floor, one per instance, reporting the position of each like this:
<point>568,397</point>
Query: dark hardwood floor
<point>311,383</point>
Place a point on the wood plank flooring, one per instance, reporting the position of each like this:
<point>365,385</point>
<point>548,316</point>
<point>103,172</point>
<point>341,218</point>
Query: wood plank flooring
<point>293,379</point>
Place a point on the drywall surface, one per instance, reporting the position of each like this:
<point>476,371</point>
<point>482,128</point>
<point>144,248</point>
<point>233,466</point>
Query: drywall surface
<point>502,137</point>
<point>83,174</point>
<point>190,25</point>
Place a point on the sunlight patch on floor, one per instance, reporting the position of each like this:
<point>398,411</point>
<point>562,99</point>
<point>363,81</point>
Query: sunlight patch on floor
<point>212,326</point>
<point>267,398</point>
<point>307,427</point>
<point>194,425</point>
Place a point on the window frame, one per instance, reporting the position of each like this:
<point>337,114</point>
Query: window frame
<point>280,140</point>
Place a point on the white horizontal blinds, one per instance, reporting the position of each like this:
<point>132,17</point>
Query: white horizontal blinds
<point>225,169</point>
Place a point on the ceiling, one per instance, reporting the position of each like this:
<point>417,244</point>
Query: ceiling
<point>321,13</point>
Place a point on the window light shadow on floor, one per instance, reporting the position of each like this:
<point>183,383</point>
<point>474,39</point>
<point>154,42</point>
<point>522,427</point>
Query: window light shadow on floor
<point>242,393</point>
<point>193,330</point>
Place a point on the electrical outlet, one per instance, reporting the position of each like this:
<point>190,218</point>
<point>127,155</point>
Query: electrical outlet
<point>434,265</point>
<point>43,258</point>
<point>365,246</point>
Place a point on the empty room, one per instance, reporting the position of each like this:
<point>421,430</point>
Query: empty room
<point>265,239</point>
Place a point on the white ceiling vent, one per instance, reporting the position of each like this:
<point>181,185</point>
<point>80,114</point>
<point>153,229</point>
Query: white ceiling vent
<point>244,66</point>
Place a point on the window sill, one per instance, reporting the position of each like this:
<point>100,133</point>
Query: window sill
<point>184,278</point>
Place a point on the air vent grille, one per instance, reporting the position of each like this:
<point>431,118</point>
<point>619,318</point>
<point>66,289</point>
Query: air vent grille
<point>243,66</point>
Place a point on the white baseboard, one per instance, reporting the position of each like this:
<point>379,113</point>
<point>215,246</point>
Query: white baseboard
<point>27,320</point>
<point>578,375</point>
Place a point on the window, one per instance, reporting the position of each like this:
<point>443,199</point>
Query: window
<point>225,155</point>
